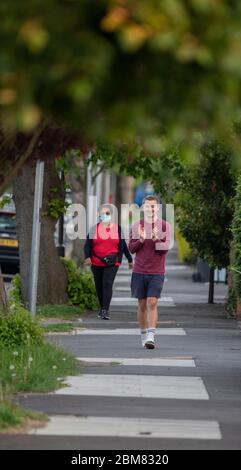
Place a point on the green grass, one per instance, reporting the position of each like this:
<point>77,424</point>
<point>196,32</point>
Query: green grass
<point>28,363</point>
<point>58,327</point>
<point>12,416</point>
<point>34,368</point>
<point>66,312</point>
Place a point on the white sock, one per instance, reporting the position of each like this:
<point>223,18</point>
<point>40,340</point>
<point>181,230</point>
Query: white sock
<point>143,331</point>
<point>143,335</point>
<point>151,332</point>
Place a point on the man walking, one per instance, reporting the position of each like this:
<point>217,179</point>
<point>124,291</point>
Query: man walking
<point>149,240</point>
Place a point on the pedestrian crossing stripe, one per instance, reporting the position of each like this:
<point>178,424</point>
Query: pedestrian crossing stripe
<point>142,386</point>
<point>129,331</point>
<point>152,361</point>
<point>129,427</point>
<point>170,267</point>
<point>133,301</point>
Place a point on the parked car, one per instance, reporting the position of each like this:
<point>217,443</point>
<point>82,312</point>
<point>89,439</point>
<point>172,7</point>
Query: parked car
<point>9,250</point>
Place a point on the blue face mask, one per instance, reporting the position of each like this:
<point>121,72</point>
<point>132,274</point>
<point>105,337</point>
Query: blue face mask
<point>105,218</point>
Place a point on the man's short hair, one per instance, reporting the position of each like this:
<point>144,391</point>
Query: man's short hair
<point>151,197</point>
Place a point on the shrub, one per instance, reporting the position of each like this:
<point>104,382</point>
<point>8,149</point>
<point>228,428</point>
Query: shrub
<point>15,296</point>
<point>19,328</point>
<point>185,253</point>
<point>204,202</point>
<point>81,288</point>
<point>231,302</point>
<point>236,231</point>
<point>81,291</point>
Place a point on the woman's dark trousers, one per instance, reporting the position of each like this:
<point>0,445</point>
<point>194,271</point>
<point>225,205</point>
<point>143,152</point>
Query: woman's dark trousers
<point>104,277</point>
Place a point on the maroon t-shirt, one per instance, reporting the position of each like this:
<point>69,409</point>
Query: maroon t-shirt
<point>150,255</point>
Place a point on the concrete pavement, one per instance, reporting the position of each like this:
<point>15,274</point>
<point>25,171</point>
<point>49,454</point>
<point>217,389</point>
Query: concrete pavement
<point>185,394</point>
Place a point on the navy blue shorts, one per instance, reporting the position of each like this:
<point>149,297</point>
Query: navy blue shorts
<point>146,285</point>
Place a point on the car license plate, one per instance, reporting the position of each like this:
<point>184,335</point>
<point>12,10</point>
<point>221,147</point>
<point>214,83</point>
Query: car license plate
<point>7,242</point>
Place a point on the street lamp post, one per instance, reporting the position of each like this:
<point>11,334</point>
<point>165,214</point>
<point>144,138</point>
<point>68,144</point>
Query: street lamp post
<point>36,229</point>
<point>61,246</point>
<point>211,286</point>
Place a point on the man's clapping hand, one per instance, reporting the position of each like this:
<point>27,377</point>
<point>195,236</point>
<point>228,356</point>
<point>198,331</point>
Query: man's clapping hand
<point>142,234</point>
<point>155,234</point>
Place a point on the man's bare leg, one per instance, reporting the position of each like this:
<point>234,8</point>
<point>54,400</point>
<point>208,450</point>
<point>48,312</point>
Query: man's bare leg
<point>152,313</point>
<point>142,319</point>
<point>142,314</point>
<point>152,318</point>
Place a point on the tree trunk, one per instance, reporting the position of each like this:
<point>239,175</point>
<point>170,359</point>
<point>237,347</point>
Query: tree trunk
<point>127,189</point>
<point>3,295</point>
<point>52,281</point>
<point>238,309</point>
<point>211,286</point>
<point>231,288</point>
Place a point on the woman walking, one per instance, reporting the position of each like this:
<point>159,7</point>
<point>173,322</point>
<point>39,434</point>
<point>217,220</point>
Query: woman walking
<point>104,249</point>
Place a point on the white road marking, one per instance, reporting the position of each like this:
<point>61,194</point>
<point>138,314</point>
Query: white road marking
<point>111,385</point>
<point>176,267</point>
<point>132,301</point>
<point>129,427</point>
<point>152,361</point>
<point>123,289</point>
<point>127,280</point>
<point>129,331</point>
<point>169,267</point>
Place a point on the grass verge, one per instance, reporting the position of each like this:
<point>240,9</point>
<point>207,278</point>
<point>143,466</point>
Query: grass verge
<point>14,418</point>
<point>34,368</point>
<point>66,312</point>
<point>58,327</point>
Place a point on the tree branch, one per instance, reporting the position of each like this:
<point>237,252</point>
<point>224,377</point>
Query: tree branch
<point>11,175</point>
<point>97,174</point>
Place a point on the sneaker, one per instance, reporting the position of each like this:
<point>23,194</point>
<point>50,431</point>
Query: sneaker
<point>143,339</point>
<point>105,315</point>
<point>99,315</point>
<point>150,341</point>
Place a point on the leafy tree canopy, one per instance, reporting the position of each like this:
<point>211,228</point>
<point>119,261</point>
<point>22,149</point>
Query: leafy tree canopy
<point>205,204</point>
<point>120,68</point>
